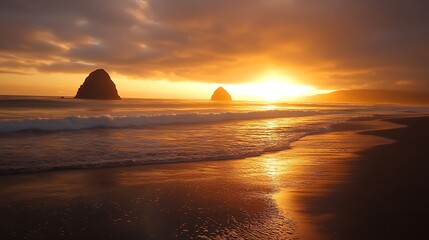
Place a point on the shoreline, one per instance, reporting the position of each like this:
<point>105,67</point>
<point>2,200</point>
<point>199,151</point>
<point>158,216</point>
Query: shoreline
<point>338,150</point>
<point>383,194</point>
<point>394,205</point>
<point>351,126</point>
<point>231,198</point>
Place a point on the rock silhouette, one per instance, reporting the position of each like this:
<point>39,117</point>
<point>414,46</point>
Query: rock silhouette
<point>98,85</point>
<point>221,95</point>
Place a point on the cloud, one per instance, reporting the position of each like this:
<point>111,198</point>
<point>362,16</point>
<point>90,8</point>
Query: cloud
<point>330,44</point>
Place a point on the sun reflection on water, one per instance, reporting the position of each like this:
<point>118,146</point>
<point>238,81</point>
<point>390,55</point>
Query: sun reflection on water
<point>272,166</point>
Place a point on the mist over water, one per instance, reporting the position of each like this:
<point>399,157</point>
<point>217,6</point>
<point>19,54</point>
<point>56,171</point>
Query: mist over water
<point>43,133</point>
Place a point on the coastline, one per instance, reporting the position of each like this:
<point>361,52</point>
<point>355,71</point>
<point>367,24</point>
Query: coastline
<point>384,197</point>
<point>337,151</point>
<point>275,195</point>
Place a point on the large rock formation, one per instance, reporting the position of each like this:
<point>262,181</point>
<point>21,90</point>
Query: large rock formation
<point>221,95</point>
<point>98,85</point>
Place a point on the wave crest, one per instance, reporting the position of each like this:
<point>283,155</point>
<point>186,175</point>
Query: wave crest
<point>107,121</point>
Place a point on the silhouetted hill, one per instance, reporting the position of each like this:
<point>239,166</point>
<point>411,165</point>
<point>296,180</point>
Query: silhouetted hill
<point>372,96</point>
<point>98,85</point>
<point>221,95</point>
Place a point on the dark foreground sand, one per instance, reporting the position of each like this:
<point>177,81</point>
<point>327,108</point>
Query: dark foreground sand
<point>319,189</point>
<point>386,196</point>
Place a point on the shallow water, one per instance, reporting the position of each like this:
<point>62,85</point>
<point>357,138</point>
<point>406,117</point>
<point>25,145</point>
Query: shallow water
<point>44,133</point>
<point>260,197</point>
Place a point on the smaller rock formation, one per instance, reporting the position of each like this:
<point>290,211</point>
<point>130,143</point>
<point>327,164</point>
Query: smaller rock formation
<point>98,85</point>
<point>221,95</point>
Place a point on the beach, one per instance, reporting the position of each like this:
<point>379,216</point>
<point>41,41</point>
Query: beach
<point>183,120</point>
<point>335,185</point>
<point>385,195</point>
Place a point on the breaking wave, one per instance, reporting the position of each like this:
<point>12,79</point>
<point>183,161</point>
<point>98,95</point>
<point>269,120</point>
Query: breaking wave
<point>107,121</point>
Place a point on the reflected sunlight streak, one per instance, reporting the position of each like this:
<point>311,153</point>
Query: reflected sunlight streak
<point>271,166</point>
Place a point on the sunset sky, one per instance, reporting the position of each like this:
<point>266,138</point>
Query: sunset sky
<point>187,48</point>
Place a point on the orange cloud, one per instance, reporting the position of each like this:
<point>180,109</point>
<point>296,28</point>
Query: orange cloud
<point>329,44</point>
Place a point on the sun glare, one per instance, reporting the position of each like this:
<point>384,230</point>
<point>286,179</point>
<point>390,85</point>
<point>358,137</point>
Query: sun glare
<point>274,88</point>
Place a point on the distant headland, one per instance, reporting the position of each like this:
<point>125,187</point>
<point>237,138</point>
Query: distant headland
<point>98,85</point>
<point>382,96</point>
<point>221,95</point>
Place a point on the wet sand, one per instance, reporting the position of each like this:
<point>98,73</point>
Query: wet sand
<point>385,194</point>
<point>301,193</point>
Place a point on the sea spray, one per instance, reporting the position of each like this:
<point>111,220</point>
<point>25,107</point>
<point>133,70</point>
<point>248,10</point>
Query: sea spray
<point>107,121</point>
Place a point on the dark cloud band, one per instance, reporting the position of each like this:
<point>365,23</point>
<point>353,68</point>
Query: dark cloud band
<point>331,44</point>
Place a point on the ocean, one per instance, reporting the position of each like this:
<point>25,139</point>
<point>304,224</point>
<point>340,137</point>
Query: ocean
<point>47,133</point>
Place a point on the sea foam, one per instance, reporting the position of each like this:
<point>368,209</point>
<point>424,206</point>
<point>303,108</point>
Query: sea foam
<point>107,121</point>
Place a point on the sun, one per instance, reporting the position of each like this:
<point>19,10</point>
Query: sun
<point>274,88</point>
